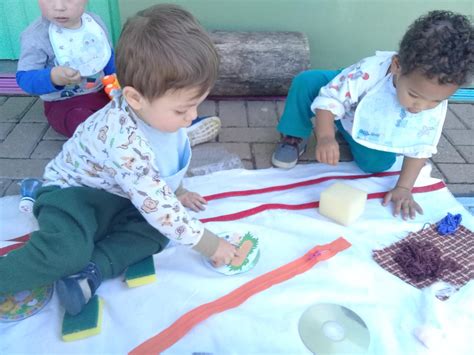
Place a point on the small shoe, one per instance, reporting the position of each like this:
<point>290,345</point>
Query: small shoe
<point>76,290</point>
<point>288,151</point>
<point>203,129</point>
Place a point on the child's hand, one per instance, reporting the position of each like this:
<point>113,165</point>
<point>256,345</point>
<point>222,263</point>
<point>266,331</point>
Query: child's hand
<point>327,150</point>
<point>224,254</point>
<point>404,202</point>
<point>62,76</point>
<point>193,201</point>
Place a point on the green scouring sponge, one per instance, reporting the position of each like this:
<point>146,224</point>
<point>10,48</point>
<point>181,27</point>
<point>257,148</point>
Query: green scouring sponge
<point>141,273</point>
<point>85,324</point>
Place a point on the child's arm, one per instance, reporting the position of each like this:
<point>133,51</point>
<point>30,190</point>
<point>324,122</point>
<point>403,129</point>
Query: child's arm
<point>190,199</point>
<point>220,251</point>
<point>132,162</point>
<point>45,81</point>
<point>401,194</point>
<point>327,148</point>
<point>110,66</point>
<point>337,98</point>
<point>36,82</point>
<point>224,253</point>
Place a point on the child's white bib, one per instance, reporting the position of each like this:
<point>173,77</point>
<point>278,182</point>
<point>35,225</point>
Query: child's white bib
<point>85,49</point>
<point>381,123</point>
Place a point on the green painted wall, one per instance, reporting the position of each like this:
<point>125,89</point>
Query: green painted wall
<point>340,31</point>
<point>16,15</point>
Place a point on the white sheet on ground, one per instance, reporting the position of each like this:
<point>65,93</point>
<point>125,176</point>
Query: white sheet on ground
<point>268,321</point>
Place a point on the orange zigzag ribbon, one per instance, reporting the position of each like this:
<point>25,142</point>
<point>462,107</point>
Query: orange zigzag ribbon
<point>183,325</point>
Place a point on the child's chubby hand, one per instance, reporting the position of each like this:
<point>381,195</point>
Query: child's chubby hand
<point>403,201</point>
<point>62,76</point>
<point>327,150</point>
<point>192,200</point>
<point>224,254</point>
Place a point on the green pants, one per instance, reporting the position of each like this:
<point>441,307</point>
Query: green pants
<point>296,119</point>
<point>78,225</point>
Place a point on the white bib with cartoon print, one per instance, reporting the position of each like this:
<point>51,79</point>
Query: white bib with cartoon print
<point>85,49</point>
<point>381,123</point>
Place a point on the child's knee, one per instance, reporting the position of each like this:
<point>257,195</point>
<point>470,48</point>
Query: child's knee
<point>306,79</point>
<point>310,82</point>
<point>69,261</point>
<point>375,164</point>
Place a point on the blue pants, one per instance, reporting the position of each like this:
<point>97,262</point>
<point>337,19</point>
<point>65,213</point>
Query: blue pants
<point>296,119</point>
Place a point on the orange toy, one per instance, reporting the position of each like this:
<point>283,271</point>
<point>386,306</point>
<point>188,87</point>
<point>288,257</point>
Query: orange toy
<point>111,85</point>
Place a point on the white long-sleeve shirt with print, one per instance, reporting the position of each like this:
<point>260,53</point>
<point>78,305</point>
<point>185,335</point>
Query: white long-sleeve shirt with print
<point>342,95</point>
<point>344,92</point>
<point>109,152</point>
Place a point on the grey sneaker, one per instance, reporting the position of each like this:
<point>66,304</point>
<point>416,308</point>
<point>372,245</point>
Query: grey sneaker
<point>288,151</point>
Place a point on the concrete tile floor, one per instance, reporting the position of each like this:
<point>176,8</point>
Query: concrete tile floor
<point>27,142</point>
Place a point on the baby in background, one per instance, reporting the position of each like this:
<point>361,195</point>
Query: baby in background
<point>64,55</point>
<point>384,105</point>
<point>113,196</point>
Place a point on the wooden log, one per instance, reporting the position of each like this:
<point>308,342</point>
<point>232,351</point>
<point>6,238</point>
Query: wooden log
<point>259,63</point>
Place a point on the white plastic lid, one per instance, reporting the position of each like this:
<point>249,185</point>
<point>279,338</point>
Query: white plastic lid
<point>26,205</point>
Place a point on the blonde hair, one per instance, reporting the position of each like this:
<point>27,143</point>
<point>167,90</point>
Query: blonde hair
<point>165,48</point>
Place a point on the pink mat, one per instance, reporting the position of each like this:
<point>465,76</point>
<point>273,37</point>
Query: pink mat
<point>8,85</point>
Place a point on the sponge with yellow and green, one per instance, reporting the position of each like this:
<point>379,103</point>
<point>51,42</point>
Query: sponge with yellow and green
<point>85,324</point>
<point>141,273</point>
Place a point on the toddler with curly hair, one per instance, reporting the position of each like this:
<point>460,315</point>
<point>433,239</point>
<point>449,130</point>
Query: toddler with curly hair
<point>384,105</point>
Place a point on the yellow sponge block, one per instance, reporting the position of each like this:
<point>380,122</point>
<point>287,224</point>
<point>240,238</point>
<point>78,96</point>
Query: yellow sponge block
<point>342,203</point>
<point>141,273</point>
<point>85,324</point>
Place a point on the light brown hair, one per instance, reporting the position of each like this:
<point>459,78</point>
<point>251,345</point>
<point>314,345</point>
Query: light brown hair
<point>165,48</point>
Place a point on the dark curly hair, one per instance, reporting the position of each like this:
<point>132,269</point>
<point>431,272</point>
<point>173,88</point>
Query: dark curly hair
<point>439,44</point>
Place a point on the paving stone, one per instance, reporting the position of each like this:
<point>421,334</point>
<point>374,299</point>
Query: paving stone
<point>250,135</point>
<point>14,108</point>
<point>262,153</point>
<point>248,164</point>
<point>35,113</point>
<point>310,153</point>
<point>280,108</point>
<point>447,153</point>
<point>14,188</point>
<point>4,184</point>
<point>22,140</point>
<point>460,137</point>
<point>233,113</point>
<point>240,149</point>
<point>467,151</point>
<point>207,108</point>
<point>262,114</point>
<point>465,112</point>
<point>21,168</point>
<point>435,173</point>
<point>51,134</point>
<point>3,99</point>
<point>462,189</point>
<point>457,173</point>
<point>452,121</point>
<point>47,149</point>
<point>5,129</point>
